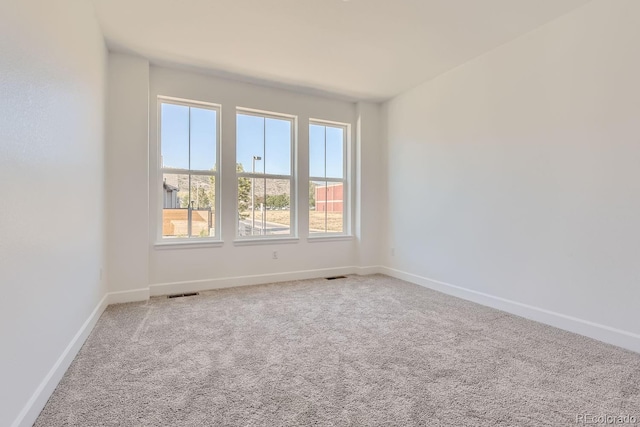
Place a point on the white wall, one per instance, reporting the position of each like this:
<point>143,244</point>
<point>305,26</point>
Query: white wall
<point>52,94</point>
<point>517,174</point>
<point>371,226</point>
<point>127,157</point>
<point>174,269</point>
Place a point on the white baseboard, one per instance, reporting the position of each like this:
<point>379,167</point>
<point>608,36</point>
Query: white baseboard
<point>39,399</point>
<point>599,332</point>
<point>143,294</point>
<point>258,279</point>
<point>133,295</point>
<point>371,269</point>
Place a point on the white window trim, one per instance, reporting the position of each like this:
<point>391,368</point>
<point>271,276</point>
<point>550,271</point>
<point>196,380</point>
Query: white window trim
<point>191,243</point>
<point>346,233</point>
<point>186,242</point>
<point>330,237</point>
<point>292,237</point>
<point>265,241</point>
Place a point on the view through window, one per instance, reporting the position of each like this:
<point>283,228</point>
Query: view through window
<point>327,178</point>
<point>188,159</point>
<point>189,145</point>
<point>264,150</point>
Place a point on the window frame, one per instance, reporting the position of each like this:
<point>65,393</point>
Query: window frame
<point>293,178</point>
<point>217,174</point>
<point>345,180</point>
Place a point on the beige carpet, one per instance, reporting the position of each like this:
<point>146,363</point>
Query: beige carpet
<point>358,351</point>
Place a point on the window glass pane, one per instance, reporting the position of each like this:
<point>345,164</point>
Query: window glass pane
<point>202,223</point>
<point>203,191</point>
<point>316,150</point>
<point>203,139</point>
<point>270,211</point>
<point>245,211</point>
<point>335,222</point>
<point>277,147</point>
<point>175,215</point>
<point>203,199</point>
<point>202,194</point>
<point>277,207</point>
<point>326,206</point>
<point>317,205</point>
<point>335,152</point>
<point>250,142</point>
<point>334,207</point>
<point>174,134</point>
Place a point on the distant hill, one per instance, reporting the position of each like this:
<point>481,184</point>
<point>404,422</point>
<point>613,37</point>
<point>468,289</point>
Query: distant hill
<point>274,186</point>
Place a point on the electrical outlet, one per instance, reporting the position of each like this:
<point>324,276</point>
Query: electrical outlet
<point>275,255</point>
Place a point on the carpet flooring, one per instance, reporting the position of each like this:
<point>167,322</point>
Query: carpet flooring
<point>359,351</point>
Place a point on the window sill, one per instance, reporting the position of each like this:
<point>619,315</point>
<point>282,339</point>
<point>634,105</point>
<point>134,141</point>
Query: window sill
<point>329,238</point>
<point>266,241</point>
<point>164,245</point>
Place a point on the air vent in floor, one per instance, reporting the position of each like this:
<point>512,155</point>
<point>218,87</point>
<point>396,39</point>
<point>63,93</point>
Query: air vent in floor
<point>335,277</point>
<point>188,294</point>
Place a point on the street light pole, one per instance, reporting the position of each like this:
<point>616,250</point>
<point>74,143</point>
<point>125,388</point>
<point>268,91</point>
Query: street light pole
<point>253,208</point>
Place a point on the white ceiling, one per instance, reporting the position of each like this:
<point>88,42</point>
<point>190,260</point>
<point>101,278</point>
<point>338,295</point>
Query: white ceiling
<point>360,49</point>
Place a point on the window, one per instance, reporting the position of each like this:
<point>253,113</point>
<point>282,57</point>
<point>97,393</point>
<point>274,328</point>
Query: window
<point>189,153</point>
<point>328,192</point>
<point>266,196</point>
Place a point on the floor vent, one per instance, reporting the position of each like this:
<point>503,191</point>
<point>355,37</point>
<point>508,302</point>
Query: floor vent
<point>188,294</point>
<point>335,277</point>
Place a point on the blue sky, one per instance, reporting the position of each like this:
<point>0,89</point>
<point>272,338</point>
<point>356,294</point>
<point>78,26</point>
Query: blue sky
<point>327,138</point>
<point>175,137</point>
<point>267,138</point>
